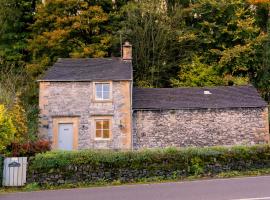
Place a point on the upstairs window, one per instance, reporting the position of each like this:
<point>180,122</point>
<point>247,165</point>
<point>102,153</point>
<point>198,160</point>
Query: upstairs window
<point>102,91</point>
<point>103,129</point>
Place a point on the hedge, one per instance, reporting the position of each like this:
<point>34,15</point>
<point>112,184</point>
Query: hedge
<point>90,166</point>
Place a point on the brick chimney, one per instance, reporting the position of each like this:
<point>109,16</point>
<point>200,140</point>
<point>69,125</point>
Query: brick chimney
<point>127,51</point>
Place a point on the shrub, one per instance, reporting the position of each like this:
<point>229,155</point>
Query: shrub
<point>7,129</point>
<point>19,119</point>
<point>59,167</point>
<point>29,148</point>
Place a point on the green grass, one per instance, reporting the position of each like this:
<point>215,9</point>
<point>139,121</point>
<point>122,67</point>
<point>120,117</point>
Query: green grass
<point>233,174</point>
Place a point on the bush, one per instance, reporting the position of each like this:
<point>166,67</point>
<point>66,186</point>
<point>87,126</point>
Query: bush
<point>19,119</point>
<point>29,148</point>
<point>89,166</point>
<point>7,129</point>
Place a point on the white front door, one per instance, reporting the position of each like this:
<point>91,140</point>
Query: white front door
<point>65,136</point>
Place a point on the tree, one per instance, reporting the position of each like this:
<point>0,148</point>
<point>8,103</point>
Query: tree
<point>225,35</point>
<point>148,27</point>
<point>67,28</point>
<point>11,84</point>
<point>15,18</point>
<point>197,74</point>
<point>262,80</point>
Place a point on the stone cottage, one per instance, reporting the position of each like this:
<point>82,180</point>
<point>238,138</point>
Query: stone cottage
<point>91,104</point>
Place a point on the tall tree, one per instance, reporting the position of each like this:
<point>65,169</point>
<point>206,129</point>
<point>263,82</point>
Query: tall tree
<point>15,18</point>
<point>225,35</point>
<point>262,80</point>
<point>150,29</point>
<point>69,28</point>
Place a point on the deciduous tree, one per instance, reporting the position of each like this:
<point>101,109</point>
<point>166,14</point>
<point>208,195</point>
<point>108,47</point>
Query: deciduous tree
<point>67,28</point>
<point>150,29</point>
<point>225,35</point>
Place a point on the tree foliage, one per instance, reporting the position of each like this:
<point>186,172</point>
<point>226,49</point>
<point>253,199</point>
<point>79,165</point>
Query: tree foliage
<point>150,29</point>
<point>197,74</point>
<point>19,120</point>
<point>15,18</point>
<point>225,35</point>
<point>262,81</point>
<point>68,29</point>
<point>7,129</point>
<point>196,43</point>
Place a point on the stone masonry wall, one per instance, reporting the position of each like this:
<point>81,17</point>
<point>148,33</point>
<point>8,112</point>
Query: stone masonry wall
<point>205,127</point>
<point>75,99</point>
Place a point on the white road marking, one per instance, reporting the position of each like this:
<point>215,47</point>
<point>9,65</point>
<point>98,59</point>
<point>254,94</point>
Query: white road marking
<point>260,198</point>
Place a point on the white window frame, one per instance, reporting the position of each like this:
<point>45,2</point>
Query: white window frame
<point>95,91</point>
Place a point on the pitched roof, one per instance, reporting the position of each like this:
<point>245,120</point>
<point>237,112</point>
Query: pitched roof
<point>89,69</point>
<point>197,98</point>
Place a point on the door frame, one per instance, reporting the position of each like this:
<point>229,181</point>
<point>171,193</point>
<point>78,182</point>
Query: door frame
<point>65,120</point>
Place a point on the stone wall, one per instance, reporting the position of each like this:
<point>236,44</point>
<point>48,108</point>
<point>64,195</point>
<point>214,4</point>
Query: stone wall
<point>75,99</point>
<point>205,127</point>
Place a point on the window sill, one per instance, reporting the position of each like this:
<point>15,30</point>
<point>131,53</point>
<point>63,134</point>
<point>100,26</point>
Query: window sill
<point>102,140</point>
<point>102,101</point>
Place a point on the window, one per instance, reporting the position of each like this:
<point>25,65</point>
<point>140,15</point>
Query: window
<point>103,128</point>
<point>102,91</point>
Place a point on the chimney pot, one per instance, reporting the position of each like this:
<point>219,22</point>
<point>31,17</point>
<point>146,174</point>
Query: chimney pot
<point>127,51</point>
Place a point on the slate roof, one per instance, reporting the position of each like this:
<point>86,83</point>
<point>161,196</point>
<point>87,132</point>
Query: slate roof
<point>194,98</point>
<point>89,69</point>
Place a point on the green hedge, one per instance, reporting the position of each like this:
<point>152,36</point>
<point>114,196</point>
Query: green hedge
<point>91,166</point>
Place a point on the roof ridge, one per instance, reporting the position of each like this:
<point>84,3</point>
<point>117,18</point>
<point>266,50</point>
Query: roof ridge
<point>205,87</point>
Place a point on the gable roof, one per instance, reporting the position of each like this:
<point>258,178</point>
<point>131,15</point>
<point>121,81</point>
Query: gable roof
<point>89,69</point>
<point>194,98</point>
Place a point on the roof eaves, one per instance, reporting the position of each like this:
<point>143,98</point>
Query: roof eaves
<point>197,108</point>
<point>84,80</point>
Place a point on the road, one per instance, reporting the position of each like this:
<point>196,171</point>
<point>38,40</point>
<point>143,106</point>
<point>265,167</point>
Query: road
<point>252,188</point>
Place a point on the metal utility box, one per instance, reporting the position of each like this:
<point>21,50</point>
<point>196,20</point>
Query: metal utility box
<point>14,172</point>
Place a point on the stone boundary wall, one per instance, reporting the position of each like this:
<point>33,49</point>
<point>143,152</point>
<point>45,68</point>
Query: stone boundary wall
<point>203,127</point>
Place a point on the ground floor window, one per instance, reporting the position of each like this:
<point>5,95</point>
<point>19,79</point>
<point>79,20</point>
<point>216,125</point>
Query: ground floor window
<point>103,128</point>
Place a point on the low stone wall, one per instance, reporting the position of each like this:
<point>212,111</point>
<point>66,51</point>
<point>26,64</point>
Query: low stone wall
<point>204,127</point>
<point>84,174</point>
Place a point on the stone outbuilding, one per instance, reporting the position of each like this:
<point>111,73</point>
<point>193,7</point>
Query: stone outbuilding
<point>211,116</point>
<point>91,104</point>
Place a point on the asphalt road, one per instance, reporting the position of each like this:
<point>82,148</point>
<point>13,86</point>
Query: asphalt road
<point>253,188</point>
